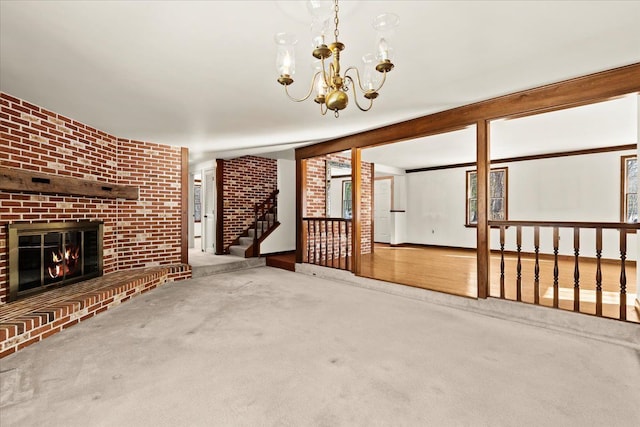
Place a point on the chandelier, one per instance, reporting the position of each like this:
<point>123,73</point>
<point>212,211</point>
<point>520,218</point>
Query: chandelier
<point>328,83</point>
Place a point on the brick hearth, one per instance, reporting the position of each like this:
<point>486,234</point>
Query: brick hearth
<point>33,319</point>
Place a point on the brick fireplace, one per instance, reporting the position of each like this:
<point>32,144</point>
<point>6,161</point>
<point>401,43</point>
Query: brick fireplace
<point>142,232</point>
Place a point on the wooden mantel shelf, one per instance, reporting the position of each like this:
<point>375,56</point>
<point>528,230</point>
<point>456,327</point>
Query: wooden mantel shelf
<point>36,182</point>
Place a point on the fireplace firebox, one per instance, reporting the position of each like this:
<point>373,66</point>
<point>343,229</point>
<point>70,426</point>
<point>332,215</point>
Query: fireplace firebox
<point>45,255</point>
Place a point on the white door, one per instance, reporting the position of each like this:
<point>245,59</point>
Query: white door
<point>382,211</point>
<point>209,218</point>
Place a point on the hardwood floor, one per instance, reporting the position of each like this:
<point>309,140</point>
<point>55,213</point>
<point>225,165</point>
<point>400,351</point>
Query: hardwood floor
<point>454,271</point>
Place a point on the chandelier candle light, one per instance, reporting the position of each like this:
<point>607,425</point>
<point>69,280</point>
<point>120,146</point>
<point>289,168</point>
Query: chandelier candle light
<point>330,86</point>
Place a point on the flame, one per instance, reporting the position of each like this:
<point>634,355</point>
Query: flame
<point>64,262</point>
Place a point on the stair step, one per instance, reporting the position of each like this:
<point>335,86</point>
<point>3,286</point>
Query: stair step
<point>246,241</point>
<point>251,232</point>
<point>237,250</point>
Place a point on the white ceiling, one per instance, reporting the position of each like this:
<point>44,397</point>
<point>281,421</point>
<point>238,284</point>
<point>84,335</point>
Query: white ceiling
<point>605,124</point>
<point>202,74</point>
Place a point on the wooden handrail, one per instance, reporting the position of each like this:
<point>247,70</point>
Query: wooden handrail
<point>260,212</point>
<point>604,225</point>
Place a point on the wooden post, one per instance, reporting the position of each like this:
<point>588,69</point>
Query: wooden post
<point>519,263</point>
<point>301,207</point>
<point>623,274</point>
<point>184,206</point>
<point>536,269</point>
<point>356,200</point>
<point>483,163</point>
<point>502,230</point>
<point>372,182</point>
<point>576,270</point>
<point>219,207</point>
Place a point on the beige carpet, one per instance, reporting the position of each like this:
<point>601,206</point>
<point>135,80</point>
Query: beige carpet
<point>266,347</point>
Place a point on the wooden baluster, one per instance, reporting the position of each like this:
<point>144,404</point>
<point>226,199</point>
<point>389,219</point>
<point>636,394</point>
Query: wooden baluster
<point>311,242</point>
<point>308,231</point>
<point>502,228</point>
<point>536,268</point>
<point>315,242</point>
<point>255,228</point>
<point>339,244</point>
<point>346,246</point>
<point>576,269</point>
<point>321,239</point>
<point>598,272</point>
<point>556,244</point>
<point>333,246</point>
<point>519,263</point>
<point>275,208</point>
<point>330,248</point>
<point>623,274</point>
<point>326,243</point>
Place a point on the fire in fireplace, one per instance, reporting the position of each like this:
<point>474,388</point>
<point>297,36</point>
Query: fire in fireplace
<point>43,255</point>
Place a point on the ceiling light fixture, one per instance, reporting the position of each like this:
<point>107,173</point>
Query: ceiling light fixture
<point>331,86</point>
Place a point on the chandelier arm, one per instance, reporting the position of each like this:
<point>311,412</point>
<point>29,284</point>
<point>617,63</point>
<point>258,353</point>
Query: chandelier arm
<point>324,110</point>
<point>313,82</point>
<point>357,77</point>
<point>355,94</point>
<point>384,79</point>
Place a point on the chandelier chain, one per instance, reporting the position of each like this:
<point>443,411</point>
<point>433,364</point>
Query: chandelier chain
<point>336,20</point>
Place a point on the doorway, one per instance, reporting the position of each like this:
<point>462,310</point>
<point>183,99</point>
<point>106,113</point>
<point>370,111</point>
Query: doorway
<point>208,239</point>
<point>382,205</point>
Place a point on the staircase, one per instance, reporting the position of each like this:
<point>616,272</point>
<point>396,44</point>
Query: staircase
<point>247,245</point>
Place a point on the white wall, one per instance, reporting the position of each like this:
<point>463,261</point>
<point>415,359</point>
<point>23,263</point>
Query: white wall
<point>576,188</point>
<point>399,192</point>
<point>283,238</point>
<point>436,209</point>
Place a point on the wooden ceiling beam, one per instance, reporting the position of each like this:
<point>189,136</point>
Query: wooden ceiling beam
<point>569,93</point>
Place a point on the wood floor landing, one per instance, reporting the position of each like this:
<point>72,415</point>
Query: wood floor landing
<point>454,271</point>
<point>285,261</point>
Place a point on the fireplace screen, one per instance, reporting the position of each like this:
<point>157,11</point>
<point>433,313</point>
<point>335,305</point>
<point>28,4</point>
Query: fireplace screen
<point>42,255</point>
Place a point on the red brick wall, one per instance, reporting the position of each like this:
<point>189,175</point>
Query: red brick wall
<point>246,181</point>
<point>142,232</point>
<point>316,193</point>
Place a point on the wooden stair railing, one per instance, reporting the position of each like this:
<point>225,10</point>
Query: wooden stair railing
<point>265,216</point>
<point>623,230</point>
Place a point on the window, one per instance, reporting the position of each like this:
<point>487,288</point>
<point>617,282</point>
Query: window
<point>346,199</point>
<point>497,196</point>
<point>629,189</point>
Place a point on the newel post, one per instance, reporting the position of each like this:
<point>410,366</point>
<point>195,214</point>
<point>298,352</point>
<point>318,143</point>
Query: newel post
<point>301,203</point>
